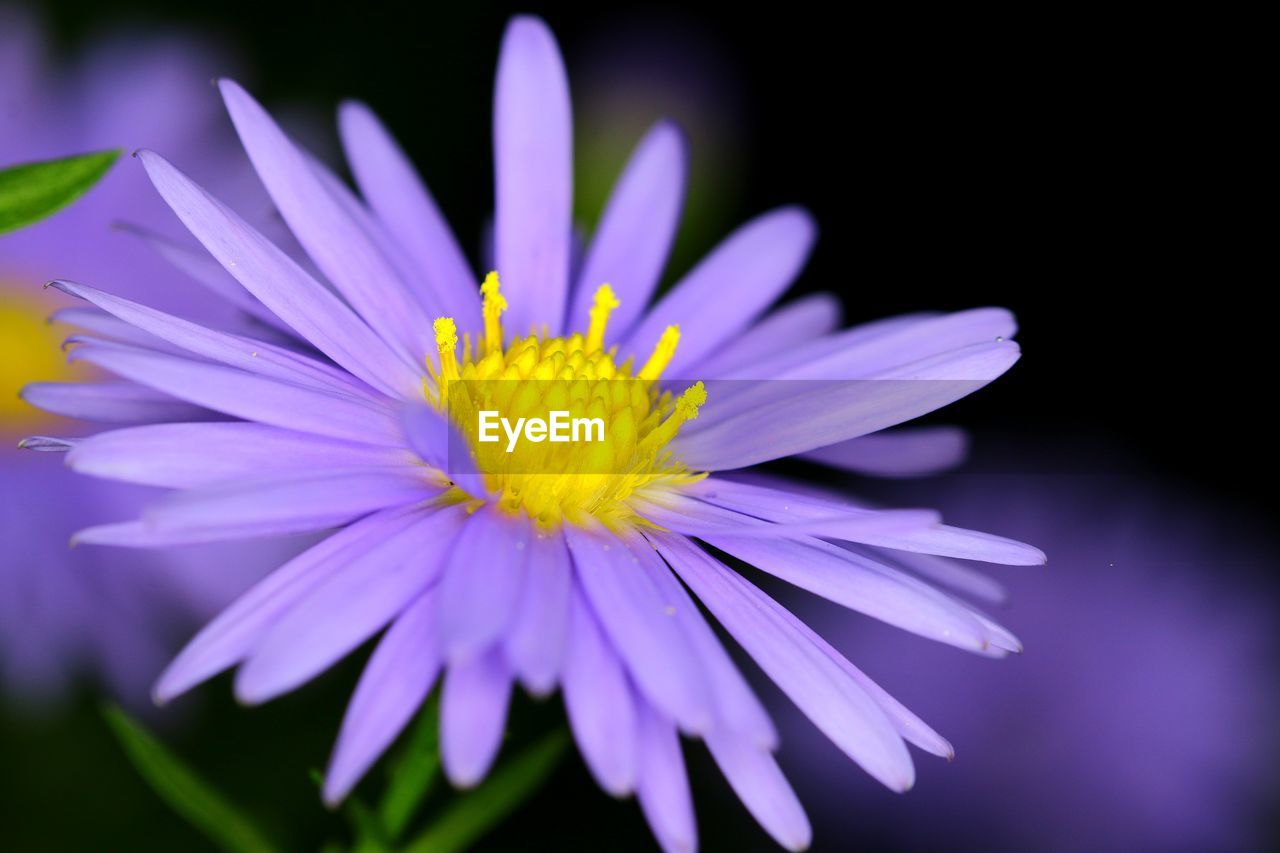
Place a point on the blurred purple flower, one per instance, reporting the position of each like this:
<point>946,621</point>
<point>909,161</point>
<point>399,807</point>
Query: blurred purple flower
<point>555,577</point>
<point>65,612</point>
<point>1142,716</point>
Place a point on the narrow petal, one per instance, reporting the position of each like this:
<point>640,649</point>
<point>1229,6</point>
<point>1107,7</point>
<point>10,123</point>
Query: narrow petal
<point>639,623</point>
<point>482,581</point>
<point>246,354</point>
<point>793,325</point>
<point>861,584</point>
<point>631,244</point>
<point>226,640</point>
<point>696,518</point>
<point>535,645</point>
<point>401,201</point>
<point>599,702</point>
<point>394,685</point>
<point>738,709</point>
<point>437,441</point>
<point>281,284</point>
<point>940,570</point>
<point>342,249</point>
<point>758,781</point>
<point>771,420</point>
<point>909,344</point>
<point>206,271</point>
<point>347,608</point>
<point>733,285</point>
<point>249,396</point>
<point>184,456</point>
<point>663,784</point>
<point>785,505</point>
<point>112,403</point>
<point>473,717</point>
<point>533,177</point>
<point>786,650</point>
<point>908,452</point>
<point>286,503</point>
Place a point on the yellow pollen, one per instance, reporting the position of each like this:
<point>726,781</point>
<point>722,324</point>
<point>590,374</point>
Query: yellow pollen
<point>662,354</point>
<point>494,304</point>
<point>447,344</point>
<point>605,302</point>
<point>530,377</point>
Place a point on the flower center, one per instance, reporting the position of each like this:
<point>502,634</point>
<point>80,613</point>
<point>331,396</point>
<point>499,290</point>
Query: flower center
<point>627,419</point>
<point>29,351</point>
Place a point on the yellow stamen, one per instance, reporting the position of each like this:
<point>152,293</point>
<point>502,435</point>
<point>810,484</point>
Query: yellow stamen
<point>605,302</point>
<point>557,481</point>
<point>447,343</point>
<point>686,410</point>
<point>494,304</point>
<point>662,354</point>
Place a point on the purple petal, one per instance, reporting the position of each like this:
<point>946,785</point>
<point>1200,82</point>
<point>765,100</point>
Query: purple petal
<point>103,325</point>
<point>183,456</point>
<point>533,177</point>
<point>771,420</point>
<point>342,249</point>
<point>535,645</point>
<point>758,781</point>
<point>792,325</point>
<point>631,244</point>
<point>401,201</point>
<point>639,623</point>
<point>394,685</point>
<point>249,396</point>
<point>957,576</point>
<point>599,702</point>
<point>482,580</point>
<point>738,708</point>
<point>473,717</point>
<point>784,361</point>
<point>909,452</point>
<point>112,402</point>
<point>663,784</point>
<point>909,344</point>
<point>861,584</point>
<point>438,442</point>
<point>232,350</point>
<point>204,270</point>
<point>729,288</point>
<point>786,650</point>
<point>265,506</point>
<point>283,286</point>
<point>785,505</point>
<point>229,637</point>
<point>347,608</point>
<point>695,518</point>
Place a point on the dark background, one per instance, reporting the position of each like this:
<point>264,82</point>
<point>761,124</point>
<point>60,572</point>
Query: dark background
<point>1078,168</point>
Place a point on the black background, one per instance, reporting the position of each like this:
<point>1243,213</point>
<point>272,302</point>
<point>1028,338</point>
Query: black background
<point>1086,170</point>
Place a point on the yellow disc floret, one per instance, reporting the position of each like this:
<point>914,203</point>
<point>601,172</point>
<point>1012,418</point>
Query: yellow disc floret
<point>558,429</point>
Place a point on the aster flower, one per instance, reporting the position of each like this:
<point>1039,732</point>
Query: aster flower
<point>551,569</point>
<point>114,616</point>
<point>1153,700</point>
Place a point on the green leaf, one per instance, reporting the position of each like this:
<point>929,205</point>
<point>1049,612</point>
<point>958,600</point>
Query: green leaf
<point>185,792</point>
<point>413,773</point>
<point>31,191</point>
<point>475,813</point>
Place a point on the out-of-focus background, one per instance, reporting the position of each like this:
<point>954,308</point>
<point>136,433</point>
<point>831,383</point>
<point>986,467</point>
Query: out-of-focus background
<point>1056,165</point>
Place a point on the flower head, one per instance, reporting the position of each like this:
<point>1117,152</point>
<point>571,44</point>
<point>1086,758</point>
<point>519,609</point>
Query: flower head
<point>548,568</point>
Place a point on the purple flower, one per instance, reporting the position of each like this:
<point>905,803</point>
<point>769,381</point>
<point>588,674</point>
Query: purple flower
<point>540,570</point>
<point>116,616</point>
<point>1144,715</point>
